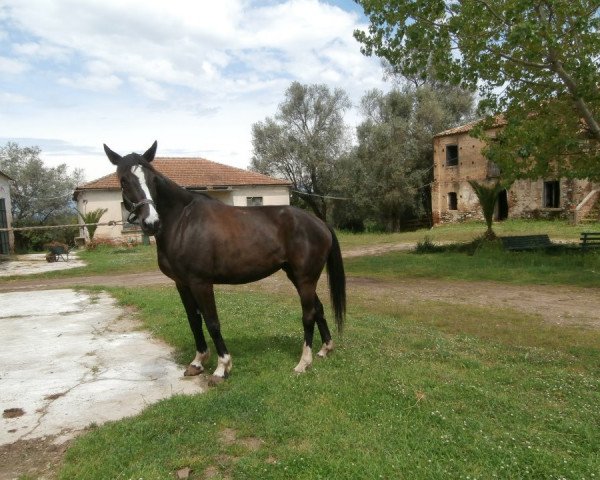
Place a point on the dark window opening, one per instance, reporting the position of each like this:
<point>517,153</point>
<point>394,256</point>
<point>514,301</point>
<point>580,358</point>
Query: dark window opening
<point>502,206</point>
<point>452,201</point>
<point>451,155</point>
<point>254,201</point>
<point>552,194</point>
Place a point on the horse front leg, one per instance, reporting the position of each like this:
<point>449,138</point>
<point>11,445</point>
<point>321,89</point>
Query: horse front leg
<point>194,316</point>
<point>205,298</point>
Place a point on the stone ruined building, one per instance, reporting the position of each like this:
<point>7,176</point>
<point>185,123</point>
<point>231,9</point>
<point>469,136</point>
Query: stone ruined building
<point>457,158</point>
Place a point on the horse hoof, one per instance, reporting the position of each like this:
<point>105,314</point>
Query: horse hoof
<point>301,369</point>
<point>192,371</point>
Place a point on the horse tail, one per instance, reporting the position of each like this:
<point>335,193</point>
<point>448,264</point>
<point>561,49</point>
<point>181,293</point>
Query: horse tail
<point>337,281</point>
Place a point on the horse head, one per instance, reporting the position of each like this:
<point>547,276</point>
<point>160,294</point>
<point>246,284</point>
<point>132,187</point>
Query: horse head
<point>134,171</point>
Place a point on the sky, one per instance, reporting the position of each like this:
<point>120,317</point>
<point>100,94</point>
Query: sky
<point>192,74</point>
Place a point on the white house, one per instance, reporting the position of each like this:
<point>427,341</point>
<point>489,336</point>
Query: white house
<point>7,239</point>
<point>233,186</point>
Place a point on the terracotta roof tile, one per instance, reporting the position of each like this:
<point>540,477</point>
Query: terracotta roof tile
<point>467,127</point>
<point>193,173</point>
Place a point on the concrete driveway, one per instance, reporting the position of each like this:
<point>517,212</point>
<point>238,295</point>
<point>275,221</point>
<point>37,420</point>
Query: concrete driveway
<point>32,263</point>
<point>69,359</point>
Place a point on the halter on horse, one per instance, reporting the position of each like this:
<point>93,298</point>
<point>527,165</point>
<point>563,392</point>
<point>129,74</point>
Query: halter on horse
<point>201,242</point>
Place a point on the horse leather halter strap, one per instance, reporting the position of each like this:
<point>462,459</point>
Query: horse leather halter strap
<point>133,216</point>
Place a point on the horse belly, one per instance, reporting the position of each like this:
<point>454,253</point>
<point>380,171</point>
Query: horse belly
<point>226,265</point>
<point>247,265</point>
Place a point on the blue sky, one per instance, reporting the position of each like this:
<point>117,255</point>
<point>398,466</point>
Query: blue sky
<point>192,74</point>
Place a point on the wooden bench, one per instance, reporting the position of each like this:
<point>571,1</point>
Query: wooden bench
<point>526,242</point>
<point>589,240</point>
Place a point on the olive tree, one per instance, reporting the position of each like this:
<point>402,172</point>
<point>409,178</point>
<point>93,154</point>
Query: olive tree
<point>304,141</point>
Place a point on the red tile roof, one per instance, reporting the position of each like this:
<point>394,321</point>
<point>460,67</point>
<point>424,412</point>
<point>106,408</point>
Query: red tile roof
<point>193,173</point>
<point>499,121</point>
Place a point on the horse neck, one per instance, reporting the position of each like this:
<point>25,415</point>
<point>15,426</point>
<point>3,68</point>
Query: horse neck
<point>166,194</point>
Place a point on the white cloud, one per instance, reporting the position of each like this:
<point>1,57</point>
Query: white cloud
<point>7,98</point>
<point>92,82</point>
<point>190,43</point>
<point>151,89</point>
<point>40,50</point>
<point>12,67</point>
<point>194,74</point>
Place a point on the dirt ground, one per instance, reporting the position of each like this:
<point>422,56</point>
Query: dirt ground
<point>555,304</point>
<point>560,305</point>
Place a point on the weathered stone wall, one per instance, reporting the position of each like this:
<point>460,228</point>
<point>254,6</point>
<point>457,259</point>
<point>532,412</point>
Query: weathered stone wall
<point>525,197</point>
<point>471,166</point>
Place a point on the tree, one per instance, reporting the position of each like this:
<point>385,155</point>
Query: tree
<point>488,197</point>
<point>534,61</point>
<point>38,193</point>
<point>303,142</point>
<point>90,218</point>
<point>388,178</point>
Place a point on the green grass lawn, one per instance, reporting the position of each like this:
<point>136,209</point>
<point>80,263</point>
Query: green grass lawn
<point>488,263</point>
<point>467,231</point>
<point>414,390</point>
<point>411,392</point>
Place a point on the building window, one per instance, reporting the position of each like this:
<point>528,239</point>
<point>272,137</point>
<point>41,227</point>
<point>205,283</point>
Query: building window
<point>452,201</point>
<point>254,201</point>
<point>552,194</point>
<point>451,155</point>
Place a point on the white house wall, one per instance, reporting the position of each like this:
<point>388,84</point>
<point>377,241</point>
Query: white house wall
<point>270,195</point>
<point>89,200</point>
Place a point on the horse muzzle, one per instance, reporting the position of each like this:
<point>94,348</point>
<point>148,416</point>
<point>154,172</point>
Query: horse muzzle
<point>150,226</point>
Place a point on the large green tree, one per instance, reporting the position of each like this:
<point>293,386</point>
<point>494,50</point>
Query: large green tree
<point>535,61</point>
<point>303,142</point>
<point>38,193</point>
<point>387,179</point>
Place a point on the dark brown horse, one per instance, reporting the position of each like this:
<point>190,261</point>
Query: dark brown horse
<point>202,242</point>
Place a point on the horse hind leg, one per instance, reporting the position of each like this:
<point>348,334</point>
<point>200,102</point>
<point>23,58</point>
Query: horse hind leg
<point>309,314</point>
<point>205,297</point>
<point>327,346</point>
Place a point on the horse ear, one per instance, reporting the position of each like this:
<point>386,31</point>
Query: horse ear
<point>149,155</point>
<point>115,158</point>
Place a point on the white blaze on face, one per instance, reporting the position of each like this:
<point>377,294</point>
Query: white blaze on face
<point>152,218</point>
